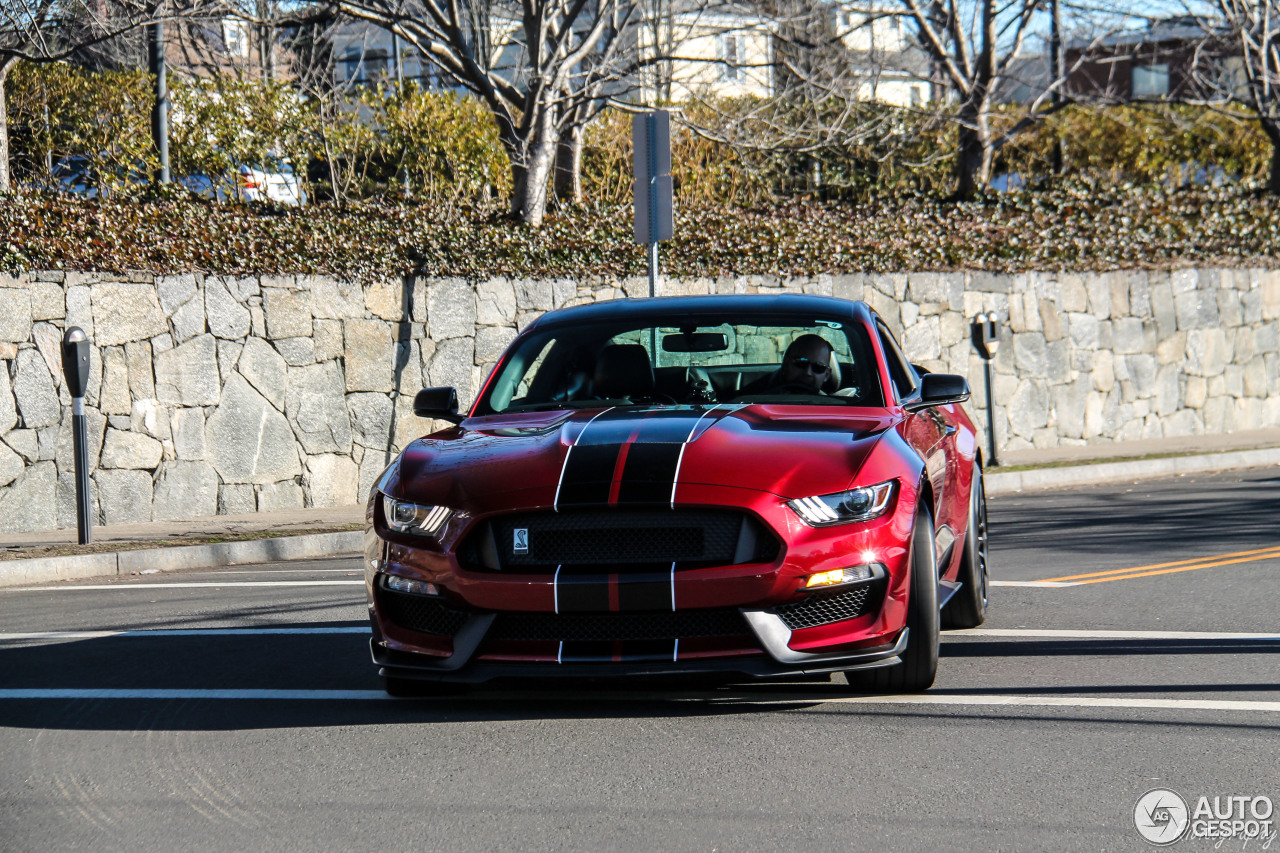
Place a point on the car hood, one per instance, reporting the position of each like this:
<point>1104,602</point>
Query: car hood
<point>598,457</point>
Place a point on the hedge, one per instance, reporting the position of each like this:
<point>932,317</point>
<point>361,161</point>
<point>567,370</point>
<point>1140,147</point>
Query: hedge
<point>363,145</point>
<point>1062,229</point>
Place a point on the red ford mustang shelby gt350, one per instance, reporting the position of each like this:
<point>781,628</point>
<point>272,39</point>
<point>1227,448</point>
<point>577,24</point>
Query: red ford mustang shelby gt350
<point>749,485</point>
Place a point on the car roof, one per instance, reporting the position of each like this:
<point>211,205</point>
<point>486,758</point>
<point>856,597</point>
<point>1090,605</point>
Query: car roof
<point>767,306</point>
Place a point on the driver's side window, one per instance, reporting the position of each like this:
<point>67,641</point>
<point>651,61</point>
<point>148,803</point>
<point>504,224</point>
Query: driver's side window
<point>901,372</point>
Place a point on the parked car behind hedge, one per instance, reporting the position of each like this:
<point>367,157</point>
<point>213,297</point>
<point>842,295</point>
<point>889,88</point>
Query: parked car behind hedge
<point>273,181</point>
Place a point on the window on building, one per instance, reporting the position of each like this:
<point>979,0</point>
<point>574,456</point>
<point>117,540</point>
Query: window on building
<point>1150,81</point>
<point>730,57</point>
<point>235,37</point>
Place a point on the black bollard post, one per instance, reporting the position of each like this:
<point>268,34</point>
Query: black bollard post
<point>75,367</point>
<point>986,340</point>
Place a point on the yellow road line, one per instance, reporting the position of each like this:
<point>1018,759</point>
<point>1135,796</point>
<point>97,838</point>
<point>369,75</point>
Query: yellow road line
<point>1184,569</point>
<point>1269,552</point>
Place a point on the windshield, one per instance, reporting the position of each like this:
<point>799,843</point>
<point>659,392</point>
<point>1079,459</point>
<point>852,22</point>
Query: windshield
<point>696,360</point>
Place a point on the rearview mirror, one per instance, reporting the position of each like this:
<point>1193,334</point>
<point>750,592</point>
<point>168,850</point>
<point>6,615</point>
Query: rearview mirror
<point>695,342</point>
<point>439,403</point>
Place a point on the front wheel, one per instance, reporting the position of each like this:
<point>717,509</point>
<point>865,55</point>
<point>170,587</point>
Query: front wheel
<point>920,659</point>
<point>968,607</point>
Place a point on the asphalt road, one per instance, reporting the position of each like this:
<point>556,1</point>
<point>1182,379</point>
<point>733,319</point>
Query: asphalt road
<point>1032,739</point>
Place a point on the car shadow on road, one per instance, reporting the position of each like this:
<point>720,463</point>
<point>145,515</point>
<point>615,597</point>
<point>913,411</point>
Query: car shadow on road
<point>321,675</point>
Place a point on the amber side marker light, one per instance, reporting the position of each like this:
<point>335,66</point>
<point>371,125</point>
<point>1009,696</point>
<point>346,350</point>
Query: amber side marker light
<point>852,574</point>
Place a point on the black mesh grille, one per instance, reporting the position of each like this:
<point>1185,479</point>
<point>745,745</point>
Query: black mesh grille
<point>420,613</point>
<point>575,627</point>
<point>825,609</point>
<point>619,538</point>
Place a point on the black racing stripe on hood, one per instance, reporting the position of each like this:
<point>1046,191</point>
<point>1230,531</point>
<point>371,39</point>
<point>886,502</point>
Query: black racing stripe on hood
<point>587,475</point>
<point>650,473</point>
<point>656,426</point>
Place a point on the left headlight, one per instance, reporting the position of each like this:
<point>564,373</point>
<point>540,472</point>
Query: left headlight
<point>414,519</point>
<point>862,504</point>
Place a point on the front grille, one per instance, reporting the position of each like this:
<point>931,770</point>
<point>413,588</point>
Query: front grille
<point>578,627</point>
<point>824,609</point>
<point>420,613</point>
<point>618,538</point>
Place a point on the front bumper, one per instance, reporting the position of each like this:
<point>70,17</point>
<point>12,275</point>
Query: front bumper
<point>472,637</point>
<point>455,668</point>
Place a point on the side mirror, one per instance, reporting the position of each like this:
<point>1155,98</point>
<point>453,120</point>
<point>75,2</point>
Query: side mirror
<point>439,403</point>
<point>939,389</point>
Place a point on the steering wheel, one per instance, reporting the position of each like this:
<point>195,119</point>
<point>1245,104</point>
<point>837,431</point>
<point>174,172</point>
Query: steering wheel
<point>793,388</point>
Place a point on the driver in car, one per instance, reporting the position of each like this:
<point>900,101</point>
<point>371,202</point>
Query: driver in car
<point>806,362</point>
<point>806,365</point>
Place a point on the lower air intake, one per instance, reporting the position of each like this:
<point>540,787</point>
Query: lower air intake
<point>823,609</point>
<point>420,613</point>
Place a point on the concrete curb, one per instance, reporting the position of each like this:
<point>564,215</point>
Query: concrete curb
<point>1100,473</point>
<point>166,559</point>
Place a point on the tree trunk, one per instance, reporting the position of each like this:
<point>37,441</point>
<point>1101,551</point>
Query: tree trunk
<point>976,151</point>
<point>568,180</point>
<point>532,164</point>
<point>5,183</point>
<point>1272,130</point>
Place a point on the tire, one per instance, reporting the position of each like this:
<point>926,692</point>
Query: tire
<point>968,607</point>
<point>920,659</point>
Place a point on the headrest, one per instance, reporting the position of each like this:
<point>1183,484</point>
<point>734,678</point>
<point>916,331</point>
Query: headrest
<point>832,383</point>
<point>623,370</point>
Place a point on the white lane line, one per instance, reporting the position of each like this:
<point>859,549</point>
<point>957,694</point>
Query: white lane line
<point>941,700</point>
<point>1078,634</point>
<point>171,632</point>
<point>206,584</point>
<point>286,572</point>
<point>86,693</point>
<point>1032,583</point>
<point>1054,702</point>
<point>1010,633</point>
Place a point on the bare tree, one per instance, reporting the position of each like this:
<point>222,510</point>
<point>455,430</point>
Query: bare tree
<point>973,46</point>
<point>42,31</point>
<point>544,68</point>
<point>1238,61</point>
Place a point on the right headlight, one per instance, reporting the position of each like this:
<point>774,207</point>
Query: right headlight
<point>414,519</point>
<point>861,504</point>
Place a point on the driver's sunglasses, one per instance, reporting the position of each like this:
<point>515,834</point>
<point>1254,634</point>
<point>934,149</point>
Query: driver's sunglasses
<point>816,367</point>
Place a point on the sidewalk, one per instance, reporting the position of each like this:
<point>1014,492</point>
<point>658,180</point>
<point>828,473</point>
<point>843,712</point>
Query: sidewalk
<point>124,550</point>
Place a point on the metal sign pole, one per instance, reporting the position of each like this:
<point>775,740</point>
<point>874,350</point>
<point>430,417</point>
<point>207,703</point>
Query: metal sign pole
<point>651,168</point>
<point>986,340</point>
<point>652,189</point>
<point>75,368</point>
<point>160,110</point>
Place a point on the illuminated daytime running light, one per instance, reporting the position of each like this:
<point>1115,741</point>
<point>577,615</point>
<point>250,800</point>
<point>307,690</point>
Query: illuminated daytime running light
<point>862,504</point>
<point>414,519</point>
<point>409,585</point>
<point>852,574</point>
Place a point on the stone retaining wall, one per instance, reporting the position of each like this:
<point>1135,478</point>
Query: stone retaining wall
<point>214,394</point>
